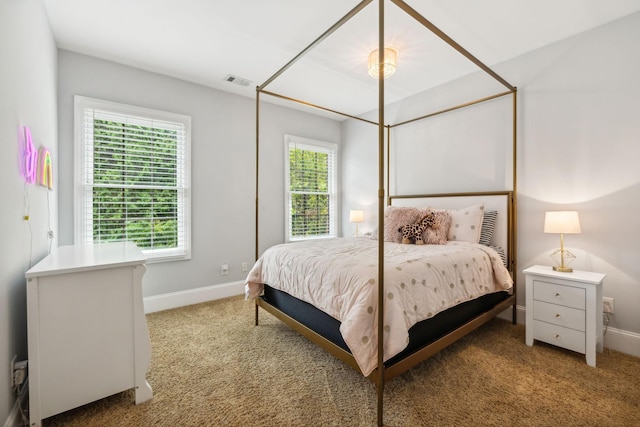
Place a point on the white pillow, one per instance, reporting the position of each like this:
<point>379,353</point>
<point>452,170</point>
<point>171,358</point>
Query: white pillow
<point>466,223</point>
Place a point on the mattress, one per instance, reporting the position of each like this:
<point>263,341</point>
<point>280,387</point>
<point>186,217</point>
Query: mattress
<point>339,277</point>
<point>420,335</point>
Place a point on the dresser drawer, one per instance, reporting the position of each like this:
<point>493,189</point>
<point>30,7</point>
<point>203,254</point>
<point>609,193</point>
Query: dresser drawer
<point>559,294</point>
<point>560,336</point>
<point>559,315</point>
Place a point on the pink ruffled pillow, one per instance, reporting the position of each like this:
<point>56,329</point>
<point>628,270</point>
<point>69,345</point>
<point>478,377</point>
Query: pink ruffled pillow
<point>394,218</point>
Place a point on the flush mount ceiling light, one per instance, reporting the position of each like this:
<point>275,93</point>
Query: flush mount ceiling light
<point>386,67</point>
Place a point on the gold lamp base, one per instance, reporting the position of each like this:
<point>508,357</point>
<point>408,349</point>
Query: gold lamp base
<point>562,259</point>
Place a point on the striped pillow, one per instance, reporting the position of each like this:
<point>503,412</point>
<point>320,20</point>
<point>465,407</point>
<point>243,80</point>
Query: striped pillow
<point>488,227</point>
<point>500,251</point>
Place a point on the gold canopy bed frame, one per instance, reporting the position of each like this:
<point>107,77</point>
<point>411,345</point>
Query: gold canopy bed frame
<point>382,374</point>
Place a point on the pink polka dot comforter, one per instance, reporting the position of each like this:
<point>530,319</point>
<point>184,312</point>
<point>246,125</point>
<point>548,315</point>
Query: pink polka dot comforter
<point>339,276</point>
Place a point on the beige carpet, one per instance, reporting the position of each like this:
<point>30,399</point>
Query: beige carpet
<point>211,367</point>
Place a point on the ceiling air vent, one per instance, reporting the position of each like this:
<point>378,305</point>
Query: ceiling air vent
<point>237,80</point>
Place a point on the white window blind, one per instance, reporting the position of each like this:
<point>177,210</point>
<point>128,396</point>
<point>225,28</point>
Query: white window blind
<point>311,183</point>
<point>132,177</point>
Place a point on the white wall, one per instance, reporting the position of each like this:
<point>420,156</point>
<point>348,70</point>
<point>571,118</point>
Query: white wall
<point>578,148</point>
<point>223,164</point>
<point>28,88</point>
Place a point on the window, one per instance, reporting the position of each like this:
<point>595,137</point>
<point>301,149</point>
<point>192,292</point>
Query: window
<point>310,183</point>
<point>132,177</point>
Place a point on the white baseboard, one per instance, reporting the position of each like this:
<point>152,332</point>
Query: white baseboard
<point>622,341</point>
<point>614,339</point>
<point>15,416</point>
<point>192,296</point>
<point>520,314</point>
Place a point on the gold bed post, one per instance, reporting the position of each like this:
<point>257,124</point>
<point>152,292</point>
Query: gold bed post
<point>381,207</point>
<point>257,180</point>
<point>514,205</point>
<point>388,171</point>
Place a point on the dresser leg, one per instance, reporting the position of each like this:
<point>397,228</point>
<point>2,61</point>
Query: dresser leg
<point>143,393</point>
<point>591,358</point>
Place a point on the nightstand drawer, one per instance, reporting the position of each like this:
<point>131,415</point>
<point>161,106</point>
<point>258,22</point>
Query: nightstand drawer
<point>557,335</point>
<point>559,315</point>
<point>559,294</point>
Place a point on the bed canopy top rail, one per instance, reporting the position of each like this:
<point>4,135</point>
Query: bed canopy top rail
<point>390,125</point>
<point>308,104</point>
<point>513,92</point>
<point>450,109</point>
<point>409,11</point>
<point>435,30</point>
<point>353,12</point>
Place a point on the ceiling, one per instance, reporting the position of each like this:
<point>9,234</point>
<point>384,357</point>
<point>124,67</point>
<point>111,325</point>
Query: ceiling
<point>204,41</point>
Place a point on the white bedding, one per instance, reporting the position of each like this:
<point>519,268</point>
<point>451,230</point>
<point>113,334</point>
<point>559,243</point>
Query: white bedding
<point>339,276</point>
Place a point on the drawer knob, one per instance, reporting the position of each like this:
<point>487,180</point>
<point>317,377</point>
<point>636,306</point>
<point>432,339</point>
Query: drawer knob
<point>557,336</point>
<point>557,294</point>
<point>557,315</point>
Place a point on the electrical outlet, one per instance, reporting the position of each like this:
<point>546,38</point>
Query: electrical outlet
<point>244,267</point>
<point>18,372</point>
<point>13,368</point>
<point>224,269</point>
<point>607,305</point>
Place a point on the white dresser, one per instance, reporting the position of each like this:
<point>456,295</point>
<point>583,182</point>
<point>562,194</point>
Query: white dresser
<point>565,309</point>
<point>87,332</point>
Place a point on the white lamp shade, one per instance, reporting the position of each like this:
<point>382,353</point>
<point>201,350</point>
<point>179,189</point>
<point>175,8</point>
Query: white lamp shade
<point>356,216</point>
<point>566,222</point>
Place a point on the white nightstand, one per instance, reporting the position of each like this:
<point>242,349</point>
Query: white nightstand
<point>565,309</point>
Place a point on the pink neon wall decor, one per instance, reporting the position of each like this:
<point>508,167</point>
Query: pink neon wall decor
<point>29,157</point>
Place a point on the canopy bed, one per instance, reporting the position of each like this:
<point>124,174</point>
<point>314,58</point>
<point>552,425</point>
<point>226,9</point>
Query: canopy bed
<point>382,337</point>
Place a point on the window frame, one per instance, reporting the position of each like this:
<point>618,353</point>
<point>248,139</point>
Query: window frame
<point>82,180</point>
<point>319,146</point>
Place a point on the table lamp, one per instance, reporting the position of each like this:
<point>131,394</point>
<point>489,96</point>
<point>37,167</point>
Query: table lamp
<point>356,216</point>
<point>562,222</point>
